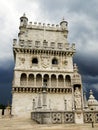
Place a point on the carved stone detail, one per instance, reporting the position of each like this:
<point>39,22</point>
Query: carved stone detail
<point>69,117</point>
<point>45,61</point>
<point>21,61</point>
<point>77,95</point>
<point>56,117</point>
<point>91,117</point>
<point>96,117</point>
<point>88,117</point>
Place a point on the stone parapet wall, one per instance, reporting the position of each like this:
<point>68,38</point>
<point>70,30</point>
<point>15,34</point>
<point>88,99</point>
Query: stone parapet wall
<point>61,117</point>
<point>53,117</point>
<point>91,116</point>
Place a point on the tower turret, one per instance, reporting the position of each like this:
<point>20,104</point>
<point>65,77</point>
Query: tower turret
<point>64,27</point>
<point>63,24</point>
<point>23,24</point>
<point>92,102</point>
<point>23,21</point>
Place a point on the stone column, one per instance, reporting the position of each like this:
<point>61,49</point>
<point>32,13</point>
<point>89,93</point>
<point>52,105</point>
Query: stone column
<point>49,81</point>
<point>27,80</point>
<point>0,113</point>
<point>42,82</point>
<point>33,103</point>
<point>85,105</point>
<point>44,98</point>
<point>57,81</point>
<point>73,100</point>
<point>64,82</point>
<point>34,81</point>
<point>39,102</point>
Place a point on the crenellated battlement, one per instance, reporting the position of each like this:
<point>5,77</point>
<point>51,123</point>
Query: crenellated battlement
<point>47,85</point>
<point>42,26</point>
<point>63,26</point>
<point>65,47</point>
<point>41,35</point>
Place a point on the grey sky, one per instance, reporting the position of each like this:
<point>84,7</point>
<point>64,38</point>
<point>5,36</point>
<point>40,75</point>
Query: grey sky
<point>83,30</point>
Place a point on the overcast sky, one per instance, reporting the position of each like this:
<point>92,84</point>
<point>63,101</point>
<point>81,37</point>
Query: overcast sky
<point>82,17</point>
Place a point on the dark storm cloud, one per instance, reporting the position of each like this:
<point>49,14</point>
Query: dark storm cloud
<point>5,72</point>
<point>88,65</point>
<point>82,17</point>
<point>6,77</point>
<point>83,30</point>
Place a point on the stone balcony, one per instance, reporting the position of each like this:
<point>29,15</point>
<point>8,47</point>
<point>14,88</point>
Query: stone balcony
<point>76,81</point>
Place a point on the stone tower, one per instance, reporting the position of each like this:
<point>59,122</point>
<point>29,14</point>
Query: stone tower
<point>45,77</point>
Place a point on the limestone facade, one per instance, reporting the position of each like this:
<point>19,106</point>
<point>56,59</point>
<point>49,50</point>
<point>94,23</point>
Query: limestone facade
<point>44,73</point>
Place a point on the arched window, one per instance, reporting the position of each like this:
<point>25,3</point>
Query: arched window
<point>60,81</point>
<point>35,61</point>
<point>39,80</point>
<point>46,80</point>
<point>53,81</point>
<point>31,80</point>
<point>68,80</point>
<point>54,61</point>
<point>23,79</point>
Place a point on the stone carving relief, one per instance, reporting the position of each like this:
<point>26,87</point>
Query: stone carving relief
<point>96,117</point>
<point>21,61</point>
<point>45,61</point>
<point>91,116</point>
<point>69,117</point>
<point>65,62</point>
<point>56,118</point>
<point>77,96</point>
<point>88,117</point>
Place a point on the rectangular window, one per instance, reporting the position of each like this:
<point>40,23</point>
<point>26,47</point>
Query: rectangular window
<point>45,43</point>
<point>29,43</point>
<point>21,43</point>
<point>37,43</point>
<point>52,45</point>
<point>60,45</point>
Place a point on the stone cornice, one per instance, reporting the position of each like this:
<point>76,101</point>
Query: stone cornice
<point>68,52</point>
<point>51,71</point>
<point>40,90</point>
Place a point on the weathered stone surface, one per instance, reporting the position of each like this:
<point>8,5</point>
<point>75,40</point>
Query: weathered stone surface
<point>0,113</point>
<point>27,124</point>
<point>45,77</point>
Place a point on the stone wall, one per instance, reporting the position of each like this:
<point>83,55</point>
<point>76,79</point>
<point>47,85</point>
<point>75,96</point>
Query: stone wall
<point>23,103</point>
<point>53,117</point>
<point>91,116</point>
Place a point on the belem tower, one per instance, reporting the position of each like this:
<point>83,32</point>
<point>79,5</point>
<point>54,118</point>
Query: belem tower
<point>47,86</point>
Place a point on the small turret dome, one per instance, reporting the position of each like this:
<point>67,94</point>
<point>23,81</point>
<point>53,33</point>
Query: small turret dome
<point>63,24</point>
<point>92,102</point>
<point>23,20</point>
